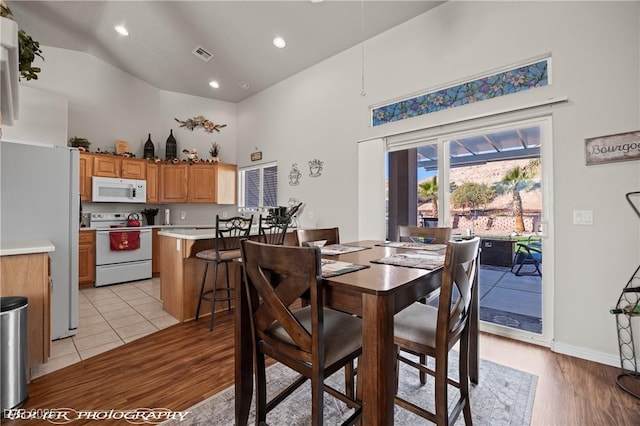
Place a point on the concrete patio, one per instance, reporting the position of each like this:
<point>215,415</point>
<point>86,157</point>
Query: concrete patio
<point>510,300</point>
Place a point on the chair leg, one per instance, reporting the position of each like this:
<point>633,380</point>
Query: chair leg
<point>204,280</point>
<point>213,298</point>
<point>317,397</point>
<point>261,389</point>
<point>441,406</point>
<point>463,377</point>
<point>423,375</point>
<point>226,267</point>
<point>349,374</point>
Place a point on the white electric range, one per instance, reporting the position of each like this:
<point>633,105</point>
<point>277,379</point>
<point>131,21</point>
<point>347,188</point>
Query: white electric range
<point>116,265</point>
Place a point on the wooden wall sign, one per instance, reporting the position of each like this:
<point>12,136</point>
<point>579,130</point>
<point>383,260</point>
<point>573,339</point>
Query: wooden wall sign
<point>613,148</point>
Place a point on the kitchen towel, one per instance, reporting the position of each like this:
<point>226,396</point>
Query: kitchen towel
<point>124,240</point>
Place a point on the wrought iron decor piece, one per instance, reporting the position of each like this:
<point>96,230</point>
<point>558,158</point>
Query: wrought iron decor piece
<point>510,81</point>
<point>613,148</point>
<point>294,175</point>
<point>315,168</point>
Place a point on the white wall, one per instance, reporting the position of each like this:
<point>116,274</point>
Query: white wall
<point>595,49</point>
<point>79,95</point>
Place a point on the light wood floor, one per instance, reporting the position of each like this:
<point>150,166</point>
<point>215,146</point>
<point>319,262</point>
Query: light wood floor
<point>184,364</point>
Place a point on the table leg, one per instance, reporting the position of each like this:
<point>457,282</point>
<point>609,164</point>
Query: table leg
<point>378,359</point>
<point>243,357</point>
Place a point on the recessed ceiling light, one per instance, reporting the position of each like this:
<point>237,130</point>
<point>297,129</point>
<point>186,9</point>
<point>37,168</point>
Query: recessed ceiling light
<point>279,42</point>
<point>214,84</point>
<point>122,30</point>
<point>316,1</point>
<point>244,85</point>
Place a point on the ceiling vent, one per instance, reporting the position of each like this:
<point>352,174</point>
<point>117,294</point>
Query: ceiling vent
<point>202,53</point>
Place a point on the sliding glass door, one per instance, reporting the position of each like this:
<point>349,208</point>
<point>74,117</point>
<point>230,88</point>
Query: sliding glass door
<point>486,182</point>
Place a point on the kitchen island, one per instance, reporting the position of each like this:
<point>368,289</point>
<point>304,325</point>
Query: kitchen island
<point>181,271</point>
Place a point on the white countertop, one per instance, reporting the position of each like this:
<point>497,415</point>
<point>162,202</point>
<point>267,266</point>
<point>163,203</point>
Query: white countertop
<point>189,234</point>
<point>11,248</point>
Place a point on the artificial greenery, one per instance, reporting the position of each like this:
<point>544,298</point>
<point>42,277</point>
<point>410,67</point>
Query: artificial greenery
<point>77,142</point>
<point>29,49</point>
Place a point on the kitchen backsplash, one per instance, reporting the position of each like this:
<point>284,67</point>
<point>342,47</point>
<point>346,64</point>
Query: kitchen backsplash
<point>193,214</point>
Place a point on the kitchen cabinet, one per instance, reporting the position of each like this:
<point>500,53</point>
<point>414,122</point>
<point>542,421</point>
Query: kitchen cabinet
<point>107,166</point>
<point>201,183</point>
<point>173,183</point>
<point>27,275</point>
<point>226,183</point>
<point>86,172</point>
<point>133,168</point>
<point>86,258</point>
<point>153,195</point>
<point>119,167</point>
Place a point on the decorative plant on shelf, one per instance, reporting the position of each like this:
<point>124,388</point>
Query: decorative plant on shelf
<point>214,151</point>
<point>81,143</point>
<point>208,126</point>
<point>29,49</point>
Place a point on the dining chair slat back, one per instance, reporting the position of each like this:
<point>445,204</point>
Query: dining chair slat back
<point>416,234</point>
<point>273,230</point>
<point>330,235</point>
<point>314,341</point>
<point>425,330</point>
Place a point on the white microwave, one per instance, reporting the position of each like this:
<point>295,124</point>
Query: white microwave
<point>114,190</point>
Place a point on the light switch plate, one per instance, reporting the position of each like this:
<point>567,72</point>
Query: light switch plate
<point>583,217</point>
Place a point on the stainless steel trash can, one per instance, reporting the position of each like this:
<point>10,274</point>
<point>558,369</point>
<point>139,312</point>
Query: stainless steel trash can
<point>14,368</point>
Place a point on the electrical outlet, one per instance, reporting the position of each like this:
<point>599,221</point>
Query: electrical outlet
<point>310,215</point>
<point>225,215</point>
<point>183,215</point>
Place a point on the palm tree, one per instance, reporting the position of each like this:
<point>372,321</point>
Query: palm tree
<point>429,190</point>
<point>515,180</point>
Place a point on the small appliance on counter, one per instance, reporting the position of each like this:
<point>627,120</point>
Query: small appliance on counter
<point>150,215</point>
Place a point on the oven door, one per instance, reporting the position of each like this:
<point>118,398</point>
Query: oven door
<point>106,256</point>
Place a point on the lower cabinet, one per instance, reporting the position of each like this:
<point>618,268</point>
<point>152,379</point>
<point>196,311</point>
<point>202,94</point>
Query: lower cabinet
<point>27,275</point>
<point>86,258</point>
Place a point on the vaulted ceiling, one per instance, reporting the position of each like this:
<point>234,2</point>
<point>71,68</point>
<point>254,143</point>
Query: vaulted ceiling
<point>239,34</point>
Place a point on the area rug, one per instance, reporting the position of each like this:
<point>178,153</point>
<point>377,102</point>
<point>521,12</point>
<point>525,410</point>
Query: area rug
<point>504,397</point>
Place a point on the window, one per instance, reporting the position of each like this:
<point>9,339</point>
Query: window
<point>258,186</point>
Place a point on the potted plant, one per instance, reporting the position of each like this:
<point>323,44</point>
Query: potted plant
<point>80,143</point>
<point>28,48</point>
<point>215,151</point>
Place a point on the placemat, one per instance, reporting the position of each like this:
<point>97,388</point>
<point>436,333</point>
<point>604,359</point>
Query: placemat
<point>335,249</point>
<point>332,268</point>
<point>414,246</point>
<point>413,260</point>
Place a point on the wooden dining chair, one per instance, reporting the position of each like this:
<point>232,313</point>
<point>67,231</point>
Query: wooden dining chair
<point>314,341</point>
<point>229,232</point>
<point>331,235</point>
<point>426,330</point>
<point>273,229</point>
<point>424,235</point>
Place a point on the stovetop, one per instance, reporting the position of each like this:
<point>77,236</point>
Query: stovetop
<point>108,220</point>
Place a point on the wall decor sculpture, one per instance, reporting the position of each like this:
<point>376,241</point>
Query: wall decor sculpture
<point>294,175</point>
<point>315,168</point>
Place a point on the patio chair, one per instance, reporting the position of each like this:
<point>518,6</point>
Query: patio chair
<point>529,253</point>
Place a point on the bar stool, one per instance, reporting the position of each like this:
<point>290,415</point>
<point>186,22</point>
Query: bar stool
<point>229,232</point>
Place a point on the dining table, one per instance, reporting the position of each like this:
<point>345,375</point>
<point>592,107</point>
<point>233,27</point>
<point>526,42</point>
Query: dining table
<point>375,293</point>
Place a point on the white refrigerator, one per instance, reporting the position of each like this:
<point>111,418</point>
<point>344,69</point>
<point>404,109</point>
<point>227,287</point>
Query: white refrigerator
<point>40,198</point>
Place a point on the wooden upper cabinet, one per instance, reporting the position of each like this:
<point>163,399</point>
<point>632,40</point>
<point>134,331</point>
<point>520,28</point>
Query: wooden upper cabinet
<point>153,195</point>
<point>226,183</point>
<point>86,171</point>
<point>173,183</point>
<point>201,183</point>
<point>107,166</point>
<point>133,168</point>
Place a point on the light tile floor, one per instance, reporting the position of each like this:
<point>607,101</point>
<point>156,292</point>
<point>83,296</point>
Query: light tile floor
<point>109,317</point>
